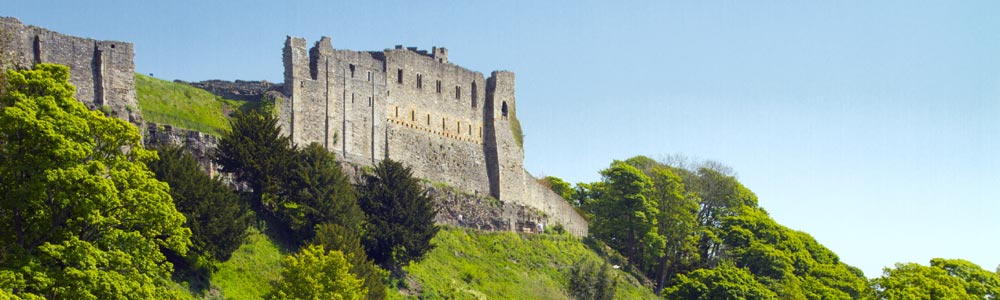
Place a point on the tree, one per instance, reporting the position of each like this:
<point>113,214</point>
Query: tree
<point>561,188</point>
<point>677,223</point>
<point>587,281</point>
<point>83,216</point>
<point>214,213</point>
<point>979,283</point>
<point>256,152</point>
<point>943,279</point>
<point>400,216</point>
<point>336,237</point>
<point>624,215</point>
<point>315,273</point>
<point>724,282</point>
<point>916,282</point>
<point>318,193</point>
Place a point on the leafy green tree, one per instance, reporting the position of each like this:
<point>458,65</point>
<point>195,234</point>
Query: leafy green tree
<point>337,237</point>
<point>400,216</point>
<point>256,152</point>
<point>677,223</point>
<point>314,273</point>
<point>721,196</point>
<point>588,281</point>
<point>726,281</point>
<point>625,216</point>
<point>915,282</point>
<point>83,216</point>
<point>217,220</point>
<point>979,283</point>
<point>318,192</point>
<point>561,188</point>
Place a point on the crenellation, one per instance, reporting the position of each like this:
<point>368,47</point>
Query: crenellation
<point>369,105</point>
<point>103,72</point>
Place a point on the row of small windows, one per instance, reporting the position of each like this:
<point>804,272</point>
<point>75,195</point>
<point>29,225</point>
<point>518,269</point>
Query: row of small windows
<point>444,124</point>
<point>437,88</point>
<point>352,73</point>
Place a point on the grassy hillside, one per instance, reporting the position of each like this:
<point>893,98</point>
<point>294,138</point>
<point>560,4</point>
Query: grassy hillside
<point>185,106</point>
<point>465,265</point>
<point>504,265</point>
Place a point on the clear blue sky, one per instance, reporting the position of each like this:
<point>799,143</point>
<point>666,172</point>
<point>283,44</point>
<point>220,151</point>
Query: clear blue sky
<point>872,126</point>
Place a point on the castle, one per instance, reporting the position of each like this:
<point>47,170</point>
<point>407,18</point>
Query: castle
<point>450,124</point>
<point>102,71</point>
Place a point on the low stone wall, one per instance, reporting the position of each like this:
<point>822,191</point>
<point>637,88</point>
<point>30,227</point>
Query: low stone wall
<point>200,145</point>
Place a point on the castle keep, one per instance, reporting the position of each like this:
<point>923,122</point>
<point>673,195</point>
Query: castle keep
<point>102,71</point>
<point>448,123</point>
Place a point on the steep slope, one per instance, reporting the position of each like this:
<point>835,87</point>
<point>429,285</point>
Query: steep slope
<point>181,105</point>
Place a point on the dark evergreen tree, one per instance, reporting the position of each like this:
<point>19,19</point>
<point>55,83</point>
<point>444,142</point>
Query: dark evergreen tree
<point>214,213</point>
<point>336,237</point>
<point>258,155</point>
<point>400,216</point>
<point>318,192</point>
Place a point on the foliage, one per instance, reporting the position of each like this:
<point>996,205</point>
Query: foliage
<point>943,279</point>
<point>318,193</point>
<point>185,106</point>
<point>587,281</point>
<point>515,127</point>
<point>258,154</point>
<point>677,223</point>
<point>467,264</point>
<point>84,217</point>
<point>314,273</point>
<point>217,220</point>
<point>723,282</point>
<point>348,241</point>
<point>248,273</point>
<point>400,216</point>
<point>624,215</point>
<point>561,188</point>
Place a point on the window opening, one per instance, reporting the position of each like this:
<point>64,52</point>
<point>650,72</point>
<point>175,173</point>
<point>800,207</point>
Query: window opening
<point>420,81</point>
<point>438,89</point>
<point>458,92</point>
<point>475,97</point>
<point>399,75</point>
<point>352,70</point>
<point>503,110</point>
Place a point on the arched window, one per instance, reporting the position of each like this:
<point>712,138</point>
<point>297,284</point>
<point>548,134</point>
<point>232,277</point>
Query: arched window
<point>475,96</point>
<point>503,110</point>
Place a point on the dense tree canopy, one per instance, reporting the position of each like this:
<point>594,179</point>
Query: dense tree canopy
<point>400,216</point>
<point>318,193</point>
<point>348,241</point>
<point>943,279</point>
<point>83,216</point>
<point>214,213</point>
<point>256,152</point>
<point>317,274</point>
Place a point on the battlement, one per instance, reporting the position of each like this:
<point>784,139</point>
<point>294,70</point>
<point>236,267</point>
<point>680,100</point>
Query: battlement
<point>450,124</point>
<point>103,72</point>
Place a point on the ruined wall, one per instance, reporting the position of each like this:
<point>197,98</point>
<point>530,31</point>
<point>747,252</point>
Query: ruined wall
<point>102,71</point>
<point>450,124</point>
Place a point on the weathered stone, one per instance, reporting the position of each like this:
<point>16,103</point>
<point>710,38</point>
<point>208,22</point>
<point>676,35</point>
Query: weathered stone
<point>102,71</point>
<point>448,123</point>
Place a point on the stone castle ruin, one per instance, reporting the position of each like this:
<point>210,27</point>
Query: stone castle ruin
<point>102,71</point>
<point>450,124</point>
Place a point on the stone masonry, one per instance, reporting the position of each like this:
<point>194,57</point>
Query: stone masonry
<point>102,71</point>
<point>450,124</point>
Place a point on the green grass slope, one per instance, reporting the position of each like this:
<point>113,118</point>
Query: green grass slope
<point>505,265</point>
<point>249,272</point>
<point>185,106</point>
